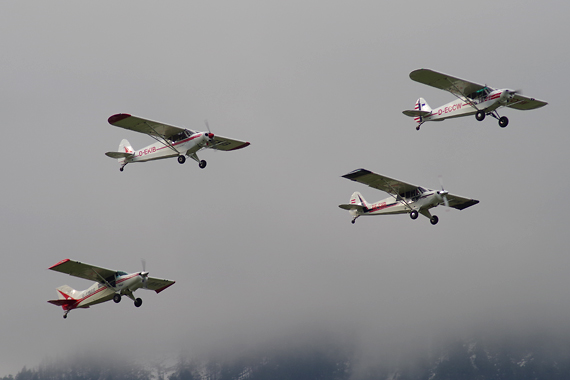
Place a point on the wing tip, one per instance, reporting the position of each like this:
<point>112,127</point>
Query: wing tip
<point>241,146</point>
<point>164,287</point>
<point>118,117</point>
<point>61,262</point>
<point>356,173</point>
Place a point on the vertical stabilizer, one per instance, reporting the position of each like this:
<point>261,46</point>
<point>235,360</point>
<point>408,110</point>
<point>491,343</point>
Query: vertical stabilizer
<point>358,199</point>
<point>421,105</point>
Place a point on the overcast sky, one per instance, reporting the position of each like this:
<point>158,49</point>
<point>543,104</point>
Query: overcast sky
<point>256,242</point>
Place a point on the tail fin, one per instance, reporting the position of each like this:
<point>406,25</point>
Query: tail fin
<point>66,297</point>
<point>125,147</point>
<point>421,105</point>
<point>358,199</point>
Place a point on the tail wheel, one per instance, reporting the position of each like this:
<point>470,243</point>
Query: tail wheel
<point>434,219</point>
<point>480,115</point>
<point>181,159</point>
<point>202,164</point>
<point>117,298</point>
<point>414,214</point>
<point>503,122</point>
<point>138,302</point>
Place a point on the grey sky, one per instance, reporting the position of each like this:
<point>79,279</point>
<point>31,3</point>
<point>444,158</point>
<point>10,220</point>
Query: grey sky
<point>256,242</point>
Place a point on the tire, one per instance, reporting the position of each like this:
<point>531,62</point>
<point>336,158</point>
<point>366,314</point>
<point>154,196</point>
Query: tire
<point>434,219</point>
<point>414,215</point>
<point>202,164</point>
<point>117,298</point>
<point>480,115</point>
<point>138,302</point>
<point>181,159</point>
<point>503,122</point>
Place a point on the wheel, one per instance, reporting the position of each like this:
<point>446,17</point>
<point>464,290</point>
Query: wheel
<point>181,159</point>
<point>121,169</point>
<point>65,316</point>
<point>480,115</point>
<point>418,128</point>
<point>117,298</point>
<point>503,122</point>
<point>138,302</point>
<point>353,221</point>
<point>202,164</point>
<point>414,214</point>
<point>434,219</point>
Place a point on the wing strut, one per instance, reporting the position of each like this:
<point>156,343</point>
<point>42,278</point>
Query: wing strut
<point>164,141</point>
<point>397,198</point>
<point>103,279</point>
<point>464,98</point>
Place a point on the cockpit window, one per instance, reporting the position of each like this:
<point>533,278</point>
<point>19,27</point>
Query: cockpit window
<point>121,273</point>
<point>482,93</point>
<point>412,193</point>
<point>181,135</point>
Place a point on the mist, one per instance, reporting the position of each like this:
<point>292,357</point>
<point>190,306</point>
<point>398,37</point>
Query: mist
<point>260,252</point>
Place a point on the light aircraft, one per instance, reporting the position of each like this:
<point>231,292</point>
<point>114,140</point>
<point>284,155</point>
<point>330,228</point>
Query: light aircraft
<point>472,98</point>
<point>171,141</point>
<point>405,198</point>
<point>110,285</point>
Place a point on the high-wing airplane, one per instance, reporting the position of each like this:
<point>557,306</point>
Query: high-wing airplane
<point>472,98</point>
<point>405,198</point>
<point>171,141</point>
<point>110,284</point>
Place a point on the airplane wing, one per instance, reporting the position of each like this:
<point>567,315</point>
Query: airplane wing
<point>460,203</point>
<point>457,86</point>
<point>520,102</point>
<point>223,143</point>
<point>380,182</point>
<point>149,127</point>
<point>82,270</point>
<point>157,284</point>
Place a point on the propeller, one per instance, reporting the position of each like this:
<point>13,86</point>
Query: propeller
<point>210,134</point>
<point>443,193</point>
<point>144,273</point>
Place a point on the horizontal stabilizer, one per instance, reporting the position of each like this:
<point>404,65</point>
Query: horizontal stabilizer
<point>416,113</point>
<point>352,207</point>
<point>62,302</point>
<point>119,155</point>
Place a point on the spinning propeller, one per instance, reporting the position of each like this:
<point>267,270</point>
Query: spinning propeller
<point>443,193</point>
<point>144,273</point>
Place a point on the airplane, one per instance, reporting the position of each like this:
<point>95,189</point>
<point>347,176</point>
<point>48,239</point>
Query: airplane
<point>171,141</point>
<point>405,198</point>
<point>472,99</point>
<point>109,285</point>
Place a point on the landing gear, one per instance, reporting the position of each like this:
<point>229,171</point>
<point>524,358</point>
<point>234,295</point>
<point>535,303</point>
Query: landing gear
<point>202,164</point>
<point>121,168</point>
<point>480,115</point>
<point>117,298</point>
<point>65,314</point>
<point>434,219</point>
<point>503,122</point>
<point>353,221</point>
<point>418,128</point>
<point>181,159</point>
<point>414,214</point>
<point>138,302</point>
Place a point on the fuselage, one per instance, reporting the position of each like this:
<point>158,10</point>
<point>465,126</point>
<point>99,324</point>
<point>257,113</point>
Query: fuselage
<point>187,144</point>
<point>423,199</point>
<point>488,102</point>
<point>123,283</point>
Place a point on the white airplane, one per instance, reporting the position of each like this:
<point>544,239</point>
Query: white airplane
<point>405,198</point>
<point>472,98</point>
<point>110,284</point>
<point>171,141</point>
